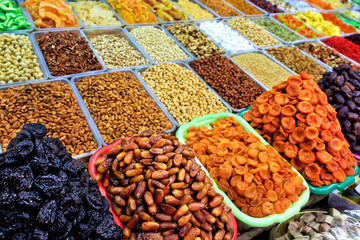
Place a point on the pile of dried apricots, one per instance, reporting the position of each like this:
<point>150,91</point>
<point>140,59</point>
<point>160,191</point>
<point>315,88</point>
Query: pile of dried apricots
<point>253,175</point>
<point>297,120</point>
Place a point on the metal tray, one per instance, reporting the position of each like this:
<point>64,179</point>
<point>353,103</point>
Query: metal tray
<point>88,119</point>
<point>216,16</point>
<point>182,64</point>
<point>226,3</point>
<point>267,11</point>
<point>92,122</point>
<point>39,57</point>
<point>79,32</point>
<point>118,32</point>
<point>128,31</point>
<point>264,13</point>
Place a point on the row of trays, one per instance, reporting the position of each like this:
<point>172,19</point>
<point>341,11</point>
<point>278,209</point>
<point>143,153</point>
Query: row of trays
<point>245,219</point>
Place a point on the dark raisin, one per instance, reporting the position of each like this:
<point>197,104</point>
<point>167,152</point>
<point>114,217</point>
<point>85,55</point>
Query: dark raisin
<point>22,178</point>
<point>343,112</point>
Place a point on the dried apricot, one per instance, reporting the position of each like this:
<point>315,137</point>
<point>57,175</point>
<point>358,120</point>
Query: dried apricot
<point>293,90</point>
<point>294,80</point>
<point>290,150</point>
<point>306,156</point>
<point>288,110</point>
<point>305,76</point>
<point>314,120</point>
<point>279,207</point>
<point>263,108</point>
<point>312,171</point>
<point>275,110</point>
<point>323,156</point>
<point>305,95</point>
<point>281,99</point>
<point>279,146</point>
<point>305,107</point>
<point>267,208</point>
<point>339,175</point>
<point>332,166</point>
<point>289,188</point>
<point>308,145</point>
<point>288,122</point>
<point>335,145</point>
<point>311,133</point>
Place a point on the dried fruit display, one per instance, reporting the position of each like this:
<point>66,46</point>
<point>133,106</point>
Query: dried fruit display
<point>159,192</point>
<point>46,194</point>
<point>166,10</point>
<point>51,13</point>
<point>342,87</point>
<point>297,120</point>
<point>256,178</point>
<point>133,11</point>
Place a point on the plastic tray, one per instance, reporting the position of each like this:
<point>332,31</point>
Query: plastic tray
<point>80,104</point>
<point>79,32</point>
<point>197,27</point>
<point>27,17</point>
<point>329,188</point>
<point>252,221</point>
<point>39,57</point>
<point>81,24</point>
<point>228,4</point>
<point>269,57</point>
<point>93,172</point>
<point>153,95</point>
<point>122,23</point>
<point>190,56</point>
<point>216,16</point>
<point>256,7</point>
<point>283,10</point>
<point>256,46</point>
<point>117,32</point>
<point>218,42</point>
<point>157,102</point>
<point>280,26</point>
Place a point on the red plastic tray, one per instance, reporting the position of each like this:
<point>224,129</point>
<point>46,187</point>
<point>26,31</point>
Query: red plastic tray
<point>93,172</point>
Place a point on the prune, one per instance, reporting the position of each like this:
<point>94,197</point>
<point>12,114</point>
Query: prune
<point>36,129</point>
<point>339,80</point>
<point>357,128</point>
<point>343,112</point>
<point>47,214</point>
<point>49,185</point>
<point>22,135</point>
<point>105,231</point>
<point>355,83</point>
<point>28,201</point>
<point>332,76</point>
<point>351,137</point>
<point>339,98</point>
<point>347,91</point>
<point>353,116</point>
<point>351,105</point>
<point>40,234</point>
<point>328,92</point>
<point>357,100</point>
<point>7,198</point>
<point>22,178</point>
<point>46,194</point>
<point>346,76</point>
<point>356,94</point>
<point>347,125</point>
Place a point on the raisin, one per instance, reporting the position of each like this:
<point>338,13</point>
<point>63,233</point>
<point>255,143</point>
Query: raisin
<point>22,178</point>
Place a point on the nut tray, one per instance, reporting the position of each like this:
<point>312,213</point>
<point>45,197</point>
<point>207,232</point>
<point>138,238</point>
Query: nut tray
<point>329,188</point>
<point>93,172</point>
<point>252,221</point>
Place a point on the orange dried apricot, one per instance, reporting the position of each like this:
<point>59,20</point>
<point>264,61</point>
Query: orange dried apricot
<point>279,207</point>
<point>293,90</point>
<point>305,95</point>
<point>288,122</point>
<point>267,208</point>
<point>323,156</point>
<point>281,99</point>
<point>306,156</point>
<point>294,80</point>
<point>312,119</point>
<point>288,110</point>
<point>311,133</point>
<point>305,107</point>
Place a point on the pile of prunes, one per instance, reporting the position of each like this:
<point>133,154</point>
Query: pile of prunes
<point>46,194</point>
<point>342,87</point>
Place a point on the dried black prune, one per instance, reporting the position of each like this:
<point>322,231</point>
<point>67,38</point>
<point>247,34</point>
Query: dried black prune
<point>24,148</point>
<point>22,178</point>
<point>339,98</point>
<point>28,201</point>
<point>343,112</point>
<point>40,234</point>
<point>36,129</point>
<point>347,91</point>
<point>328,92</point>
<point>353,116</point>
<point>357,128</point>
<point>46,194</point>
<point>47,214</point>
<point>49,185</point>
<point>339,80</point>
<point>347,125</point>
<point>351,105</point>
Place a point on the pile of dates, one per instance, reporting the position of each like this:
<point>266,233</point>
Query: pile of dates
<point>159,192</point>
<point>342,87</point>
<point>46,194</point>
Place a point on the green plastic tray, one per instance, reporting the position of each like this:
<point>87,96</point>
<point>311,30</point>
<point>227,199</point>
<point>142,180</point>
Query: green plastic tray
<point>252,221</point>
<point>331,187</point>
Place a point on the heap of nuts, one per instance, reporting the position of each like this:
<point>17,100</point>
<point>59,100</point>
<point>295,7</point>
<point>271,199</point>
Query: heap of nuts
<point>194,40</point>
<point>67,53</point>
<point>159,192</point>
<point>116,52</point>
<point>18,60</point>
